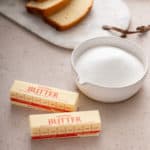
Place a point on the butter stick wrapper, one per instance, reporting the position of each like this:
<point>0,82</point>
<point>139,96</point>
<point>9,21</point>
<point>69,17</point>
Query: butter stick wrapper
<point>65,125</point>
<point>42,97</point>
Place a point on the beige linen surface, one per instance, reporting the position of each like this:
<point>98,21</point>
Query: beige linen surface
<point>23,56</point>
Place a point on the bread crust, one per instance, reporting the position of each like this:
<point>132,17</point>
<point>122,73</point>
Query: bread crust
<point>66,27</point>
<point>47,11</point>
<point>40,0</point>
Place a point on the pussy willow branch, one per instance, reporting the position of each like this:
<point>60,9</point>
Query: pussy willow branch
<point>124,33</point>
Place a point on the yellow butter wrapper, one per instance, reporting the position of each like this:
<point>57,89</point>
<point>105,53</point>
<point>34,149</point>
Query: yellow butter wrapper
<point>65,125</point>
<point>43,97</point>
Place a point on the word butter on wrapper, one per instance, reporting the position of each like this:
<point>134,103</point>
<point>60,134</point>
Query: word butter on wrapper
<point>65,125</point>
<point>43,97</point>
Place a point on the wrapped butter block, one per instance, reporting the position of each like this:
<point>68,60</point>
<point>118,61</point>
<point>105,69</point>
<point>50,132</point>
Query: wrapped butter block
<point>43,97</point>
<point>65,125</point>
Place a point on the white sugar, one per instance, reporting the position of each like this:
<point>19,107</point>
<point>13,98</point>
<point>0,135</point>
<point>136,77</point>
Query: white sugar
<point>109,66</point>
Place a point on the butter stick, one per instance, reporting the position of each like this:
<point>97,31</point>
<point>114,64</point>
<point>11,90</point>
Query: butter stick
<point>65,125</point>
<point>42,97</point>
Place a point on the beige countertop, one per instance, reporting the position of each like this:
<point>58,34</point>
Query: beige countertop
<point>23,56</point>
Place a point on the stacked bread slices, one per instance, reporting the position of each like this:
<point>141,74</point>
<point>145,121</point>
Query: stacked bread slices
<point>61,14</point>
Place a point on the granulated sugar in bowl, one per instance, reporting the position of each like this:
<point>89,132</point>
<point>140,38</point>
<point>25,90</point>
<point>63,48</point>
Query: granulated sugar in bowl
<point>109,69</point>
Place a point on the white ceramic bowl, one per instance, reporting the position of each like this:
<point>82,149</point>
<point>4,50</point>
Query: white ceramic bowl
<point>109,93</point>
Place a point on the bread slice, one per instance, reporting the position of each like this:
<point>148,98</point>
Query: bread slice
<point>47,7</point>
<point>72,14</point>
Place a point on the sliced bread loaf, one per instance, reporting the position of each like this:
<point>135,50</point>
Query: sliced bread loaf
<point>47,7</point>
<point>69,16</point>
